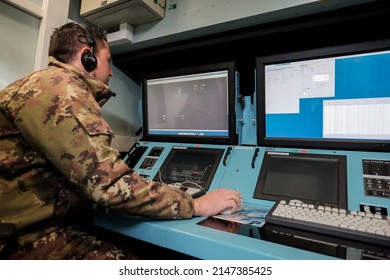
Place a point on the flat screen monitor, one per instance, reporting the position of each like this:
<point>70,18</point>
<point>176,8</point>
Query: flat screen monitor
<point>332,98</point>
<point>191,105</point>
<point>190,166</point>
<point>310,178</point>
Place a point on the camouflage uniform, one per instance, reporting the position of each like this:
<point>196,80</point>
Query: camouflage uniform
<point>55,157</point>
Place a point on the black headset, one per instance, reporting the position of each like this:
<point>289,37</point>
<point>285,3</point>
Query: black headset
<point>88,59</point>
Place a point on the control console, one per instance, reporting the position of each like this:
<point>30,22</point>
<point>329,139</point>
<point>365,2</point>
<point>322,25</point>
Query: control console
<point>376,175</point>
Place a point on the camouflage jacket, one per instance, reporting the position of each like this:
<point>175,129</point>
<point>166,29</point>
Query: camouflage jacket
<point>54,141</point>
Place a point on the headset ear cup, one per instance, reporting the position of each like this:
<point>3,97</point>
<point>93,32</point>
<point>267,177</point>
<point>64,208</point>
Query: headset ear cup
<point>89,61</point>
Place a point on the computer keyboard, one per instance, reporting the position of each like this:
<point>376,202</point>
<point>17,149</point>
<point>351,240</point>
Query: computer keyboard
<point>360,226</point>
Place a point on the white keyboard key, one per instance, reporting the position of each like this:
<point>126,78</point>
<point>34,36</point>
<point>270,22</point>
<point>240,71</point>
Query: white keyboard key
<point>369,215</point>
<point>377,216</point>
<point>314,220</point>
<point>344,225</point>
<point>380,232</point>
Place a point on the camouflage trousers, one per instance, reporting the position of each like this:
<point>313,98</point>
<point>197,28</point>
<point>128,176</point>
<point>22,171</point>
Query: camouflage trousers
<point>69,242</point>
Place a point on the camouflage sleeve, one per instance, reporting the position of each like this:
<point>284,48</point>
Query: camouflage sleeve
<point>64,124</point>
<point>112,184</point>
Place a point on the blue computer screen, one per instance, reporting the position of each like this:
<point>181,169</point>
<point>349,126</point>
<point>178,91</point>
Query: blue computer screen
<point>326,97</point>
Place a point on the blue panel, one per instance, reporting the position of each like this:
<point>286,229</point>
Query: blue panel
<point>248,126</point>
<point>240,171</point>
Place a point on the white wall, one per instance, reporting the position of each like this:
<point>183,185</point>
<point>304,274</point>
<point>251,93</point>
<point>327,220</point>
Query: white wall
<point>122,111</point>
<point>25,29</point>
<point>18,43</point>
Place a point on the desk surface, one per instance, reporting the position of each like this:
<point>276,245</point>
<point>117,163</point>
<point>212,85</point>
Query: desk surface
<point>186,236</point>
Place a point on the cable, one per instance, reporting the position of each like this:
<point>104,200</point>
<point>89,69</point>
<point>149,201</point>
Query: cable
<point>179,184</point>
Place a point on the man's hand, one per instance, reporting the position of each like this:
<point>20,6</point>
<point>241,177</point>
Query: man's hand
<point>216,201</point>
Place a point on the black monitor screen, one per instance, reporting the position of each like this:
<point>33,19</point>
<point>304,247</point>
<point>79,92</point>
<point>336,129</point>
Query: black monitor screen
<point>190,166</point>
<point>192,105</point>
<point>335,97</point>
<point>311,178</point>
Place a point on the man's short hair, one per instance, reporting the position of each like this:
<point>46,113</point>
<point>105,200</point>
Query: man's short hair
<point>67,40</point>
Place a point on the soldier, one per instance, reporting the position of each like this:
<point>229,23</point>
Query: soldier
<point>56,159</point>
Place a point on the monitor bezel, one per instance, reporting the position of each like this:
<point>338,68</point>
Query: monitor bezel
<point>230,139</point>
<point>307,54</point>
<point>217,152</point>
<point>342,185</point>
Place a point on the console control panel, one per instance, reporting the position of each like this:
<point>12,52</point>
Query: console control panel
<point>151,158</point>
<point>376,175</point>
